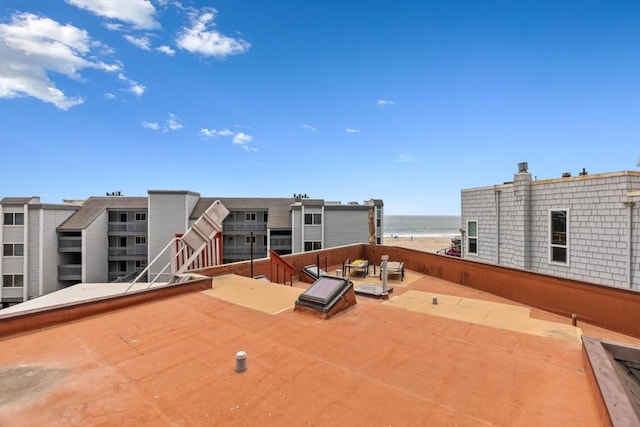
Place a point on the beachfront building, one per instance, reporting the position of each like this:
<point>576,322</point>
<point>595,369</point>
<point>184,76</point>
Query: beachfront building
<point>29,258</point>
<point>584,227</point>
<point>114,238</point>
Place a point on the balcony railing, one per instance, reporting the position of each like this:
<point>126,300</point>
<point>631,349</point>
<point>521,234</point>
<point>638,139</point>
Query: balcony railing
<point>262,250</point>
<point>70,244</point>
<point>281,243</point>
<point>127,227</point>
<point>128,251</point>
<point>248,226</point>
<point>70,272</point>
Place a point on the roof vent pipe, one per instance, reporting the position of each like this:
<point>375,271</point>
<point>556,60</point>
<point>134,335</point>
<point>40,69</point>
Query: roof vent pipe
<point>241,361</point>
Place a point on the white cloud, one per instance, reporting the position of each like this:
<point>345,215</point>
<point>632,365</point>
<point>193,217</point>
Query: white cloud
<point>151,125</point>
<point>351,130</point>
<point>166,50</point>
<point>211,133</point>
<point>141,42</point>
<point>112,26</point>
<point>202,39</point>
<point>384,103</point>
<point>134,87</point>
<point>109,96</point>
<point>308,127</point>
<point>172,123</point>
<point>140,14</point>
<point>405,158</point>
<point>242,138</point>
<point>33,46</point>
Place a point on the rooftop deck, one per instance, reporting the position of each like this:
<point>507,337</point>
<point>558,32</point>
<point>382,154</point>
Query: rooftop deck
<point>474,359</point>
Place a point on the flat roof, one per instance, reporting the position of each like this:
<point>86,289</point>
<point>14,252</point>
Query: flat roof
<point>380,362</point>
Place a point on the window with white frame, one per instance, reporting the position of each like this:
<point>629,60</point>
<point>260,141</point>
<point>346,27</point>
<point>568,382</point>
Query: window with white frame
<point>558,232</point>
<point>141,263</point>
<point>250,216</point>
<point>141,240</point>
<point>141,216</point>
<point>472,237</point>
<point>312,246</point>
<point>312,219</point>
<point>13,249</point>
<point>249,239</point>
<point>13,218</point>
<point>12,280</point>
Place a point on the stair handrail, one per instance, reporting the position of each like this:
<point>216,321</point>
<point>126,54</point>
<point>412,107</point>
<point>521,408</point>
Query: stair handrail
<point>276,259</point>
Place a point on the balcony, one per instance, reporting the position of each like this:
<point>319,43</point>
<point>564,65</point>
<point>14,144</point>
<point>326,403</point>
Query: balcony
<point>281,243</point>
<point>70,272</point>
<point>69,244</point>
<point>244,226</point>
<point>128,252</point>
<point>127,227</point>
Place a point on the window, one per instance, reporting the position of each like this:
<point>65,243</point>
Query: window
<point>558,246</point>
<point>141,216</point>
<point>312,219</point>
<point>141,240</point>
<point>141,264</point>
<point>250,216</point>
<point>14,218</point>
<point>123,242</point>
<point>249,239</point>
<point>12,280</point>
<point>312,246</point>
<point>13,249</point>
<point>472,237</point>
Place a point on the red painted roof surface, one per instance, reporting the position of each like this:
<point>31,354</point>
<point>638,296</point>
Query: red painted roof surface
<point>171,362</point>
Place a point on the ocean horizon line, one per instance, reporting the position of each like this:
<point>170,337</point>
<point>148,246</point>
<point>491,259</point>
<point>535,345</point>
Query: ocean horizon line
<point>421,235</point>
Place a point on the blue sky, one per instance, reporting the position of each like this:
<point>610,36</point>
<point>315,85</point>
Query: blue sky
<point>404,101</point>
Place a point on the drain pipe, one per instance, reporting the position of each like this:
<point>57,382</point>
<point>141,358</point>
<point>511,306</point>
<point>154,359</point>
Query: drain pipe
<point>383,272</point>
<point>251,243</point>
<point>629,205</point>
<point>497,194</point>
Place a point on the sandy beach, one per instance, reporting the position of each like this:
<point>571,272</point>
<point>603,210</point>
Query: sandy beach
<point>426,244</point>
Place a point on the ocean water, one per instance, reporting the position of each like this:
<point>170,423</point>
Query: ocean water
<point>421,225</point>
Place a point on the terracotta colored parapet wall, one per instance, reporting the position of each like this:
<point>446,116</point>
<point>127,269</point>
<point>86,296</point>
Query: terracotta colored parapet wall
<point>20,323</point>
<point>612,308</point>
<point>616,309</point>
<point>326,257</point>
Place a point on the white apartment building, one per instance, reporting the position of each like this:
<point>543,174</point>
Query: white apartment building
<point>46,247</point>
<point>584,227</point>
